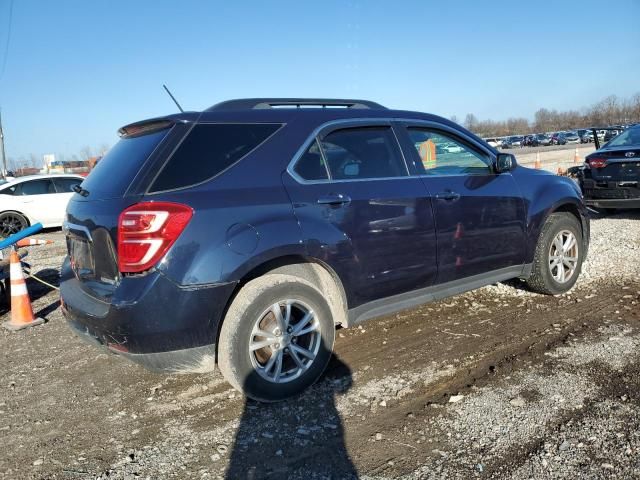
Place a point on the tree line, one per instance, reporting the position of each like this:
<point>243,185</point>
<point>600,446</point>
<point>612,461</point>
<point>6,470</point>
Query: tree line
<point>611,110</point>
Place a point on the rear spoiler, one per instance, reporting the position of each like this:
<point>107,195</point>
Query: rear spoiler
<point>154,124</point>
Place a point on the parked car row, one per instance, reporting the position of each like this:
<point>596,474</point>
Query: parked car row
<point>581,135</point>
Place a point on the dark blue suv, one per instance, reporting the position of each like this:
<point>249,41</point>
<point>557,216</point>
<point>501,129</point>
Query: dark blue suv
<point>243,234</point>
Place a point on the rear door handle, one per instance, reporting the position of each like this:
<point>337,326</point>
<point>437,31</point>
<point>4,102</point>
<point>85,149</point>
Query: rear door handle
<point>334,199</point>
<point>447,196</point>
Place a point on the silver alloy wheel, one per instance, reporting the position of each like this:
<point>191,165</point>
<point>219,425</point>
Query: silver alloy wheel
<point>285,341</point>
<point>563,256</point>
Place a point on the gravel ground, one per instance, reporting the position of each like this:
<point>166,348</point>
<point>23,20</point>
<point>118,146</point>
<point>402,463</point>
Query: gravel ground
<point>496,383</point>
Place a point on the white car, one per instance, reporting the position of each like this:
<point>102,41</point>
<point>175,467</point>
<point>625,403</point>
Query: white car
<point>493,142</point>
<point>35,198</point>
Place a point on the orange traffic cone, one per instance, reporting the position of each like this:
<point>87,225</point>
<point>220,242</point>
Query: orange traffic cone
<point>576,157</point>
<point>538,163</point>
<point>27,242</point>
<point>21,311</point>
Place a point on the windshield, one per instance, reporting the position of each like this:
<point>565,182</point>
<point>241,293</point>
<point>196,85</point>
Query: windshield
<point>628,138</point>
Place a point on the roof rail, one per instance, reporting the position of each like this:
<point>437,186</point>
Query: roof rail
<point>261,103</point>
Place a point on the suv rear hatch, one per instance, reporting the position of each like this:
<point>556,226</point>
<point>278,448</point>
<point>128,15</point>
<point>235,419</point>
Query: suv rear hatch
<point>91,224</point>
<point>107,236</point>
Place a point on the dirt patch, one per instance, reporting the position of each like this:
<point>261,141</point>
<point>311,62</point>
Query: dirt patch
<point>528,372</point>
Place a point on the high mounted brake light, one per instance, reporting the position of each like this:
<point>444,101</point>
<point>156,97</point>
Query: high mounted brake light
<point>597,162</point>
<point>146,231</point>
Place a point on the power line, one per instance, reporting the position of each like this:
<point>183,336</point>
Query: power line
<point>6,48</point>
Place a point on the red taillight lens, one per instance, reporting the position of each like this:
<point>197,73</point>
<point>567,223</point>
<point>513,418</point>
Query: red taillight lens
<point>146,231</point>
<point>597,162</point>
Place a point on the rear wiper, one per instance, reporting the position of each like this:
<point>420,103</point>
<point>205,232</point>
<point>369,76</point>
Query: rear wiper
<point>78,189</point>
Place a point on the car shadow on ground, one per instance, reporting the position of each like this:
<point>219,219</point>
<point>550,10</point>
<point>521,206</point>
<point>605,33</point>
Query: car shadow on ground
<point>298,438</point>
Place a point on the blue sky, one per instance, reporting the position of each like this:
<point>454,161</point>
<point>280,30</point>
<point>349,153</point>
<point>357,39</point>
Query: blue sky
<point>78,70</point>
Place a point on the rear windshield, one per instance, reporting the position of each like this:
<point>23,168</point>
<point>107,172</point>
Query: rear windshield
<point>208,150</point>
<point>628,138</point>
<point>115,171</point>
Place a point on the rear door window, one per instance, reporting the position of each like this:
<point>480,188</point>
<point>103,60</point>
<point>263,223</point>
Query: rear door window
<point>35,187</point>
<point>311,165</point>
<point>116,170</point>
<point>208,150</point>
<point>363,153</point>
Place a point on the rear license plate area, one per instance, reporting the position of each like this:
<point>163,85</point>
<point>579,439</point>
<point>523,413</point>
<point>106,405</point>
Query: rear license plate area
<point>81,257</point>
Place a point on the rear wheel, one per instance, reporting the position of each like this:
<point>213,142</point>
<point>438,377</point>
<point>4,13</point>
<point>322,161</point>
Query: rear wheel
<point>276,338</point>
<point>559,255</point>
<point>12,222</point>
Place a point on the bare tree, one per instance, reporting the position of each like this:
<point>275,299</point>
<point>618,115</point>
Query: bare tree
<point>34,160</point>
<point>104,148</point>
<point>86,153</point>
<point>609,111</point>
<point>471,122</point>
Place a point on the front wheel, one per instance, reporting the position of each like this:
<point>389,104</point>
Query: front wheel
<point>276,338</point>
<point>559,255</point>
<point>12,222</point>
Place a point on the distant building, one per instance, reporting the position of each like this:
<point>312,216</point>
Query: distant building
<point>48,158</point>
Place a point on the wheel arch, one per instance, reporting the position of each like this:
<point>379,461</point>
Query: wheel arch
<point>310,269</point>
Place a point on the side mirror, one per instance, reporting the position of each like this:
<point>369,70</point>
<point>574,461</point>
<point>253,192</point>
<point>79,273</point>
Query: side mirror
<point>505,162</point>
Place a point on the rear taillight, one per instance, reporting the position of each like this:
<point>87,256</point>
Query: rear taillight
<point>597,162</point>
<point>146,231</point>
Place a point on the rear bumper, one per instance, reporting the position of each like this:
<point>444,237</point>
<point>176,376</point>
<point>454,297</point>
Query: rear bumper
<point>613,202</point>
<point>610,195</point>
<point>164,326</point>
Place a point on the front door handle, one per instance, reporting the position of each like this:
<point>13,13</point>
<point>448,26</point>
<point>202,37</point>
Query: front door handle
<point>334,199</point>
<point>448,196</point>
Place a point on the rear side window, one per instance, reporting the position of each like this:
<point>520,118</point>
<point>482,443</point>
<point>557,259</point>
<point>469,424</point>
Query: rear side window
<point>208,150</point>
<point>115,171</point>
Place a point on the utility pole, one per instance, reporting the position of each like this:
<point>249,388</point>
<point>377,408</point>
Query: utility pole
<point>4,155</point>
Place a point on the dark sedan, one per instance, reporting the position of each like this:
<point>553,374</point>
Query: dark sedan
<point>610,178</point>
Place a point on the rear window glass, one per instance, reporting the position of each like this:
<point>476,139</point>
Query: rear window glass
<point>628,138</point>
<point>115,171</point>
<point>208,150</point>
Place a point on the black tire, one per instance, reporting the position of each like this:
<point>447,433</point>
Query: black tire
<point>542,280</point>
<point>251,306</point>
<point>12,222</point>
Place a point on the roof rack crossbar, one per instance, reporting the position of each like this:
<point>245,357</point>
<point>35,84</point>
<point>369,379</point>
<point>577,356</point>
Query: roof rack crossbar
<point>262,103</point>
